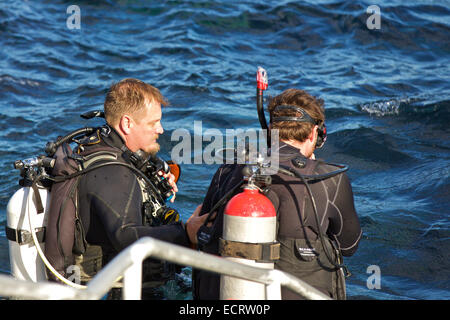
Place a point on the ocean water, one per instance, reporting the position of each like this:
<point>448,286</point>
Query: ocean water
<point>386,92</point>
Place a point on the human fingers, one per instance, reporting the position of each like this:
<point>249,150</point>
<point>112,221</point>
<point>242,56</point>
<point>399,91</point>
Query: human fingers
<point>171,179</point>
<point>211,218</point>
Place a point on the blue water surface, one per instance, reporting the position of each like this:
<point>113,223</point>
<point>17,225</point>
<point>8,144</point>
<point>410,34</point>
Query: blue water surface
<point>386,92</point>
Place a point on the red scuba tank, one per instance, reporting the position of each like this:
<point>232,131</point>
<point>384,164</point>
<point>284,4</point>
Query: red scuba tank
<point>249,237</point>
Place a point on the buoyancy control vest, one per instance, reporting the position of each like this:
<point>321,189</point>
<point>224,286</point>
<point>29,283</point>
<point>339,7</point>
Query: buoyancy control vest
<point>65,237</point>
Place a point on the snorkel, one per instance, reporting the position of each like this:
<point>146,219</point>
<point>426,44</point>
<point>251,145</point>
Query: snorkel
<point>261,84</point>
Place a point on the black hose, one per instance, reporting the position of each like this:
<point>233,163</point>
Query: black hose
<point>321,236</point>
<point>51,147</point>
<point>316,177</point>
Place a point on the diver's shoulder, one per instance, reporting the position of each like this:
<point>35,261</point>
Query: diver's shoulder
<point>323,166</point>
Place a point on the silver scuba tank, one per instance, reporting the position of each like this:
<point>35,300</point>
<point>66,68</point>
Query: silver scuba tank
<point>20,211</point>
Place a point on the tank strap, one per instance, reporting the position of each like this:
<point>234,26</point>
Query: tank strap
<point>37,197</point>
<point>261,252</point>
<point>24,236</point>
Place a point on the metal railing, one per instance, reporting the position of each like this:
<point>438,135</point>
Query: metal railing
<point>129,265</point>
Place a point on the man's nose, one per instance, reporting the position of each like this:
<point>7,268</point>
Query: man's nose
<point>160,129</point>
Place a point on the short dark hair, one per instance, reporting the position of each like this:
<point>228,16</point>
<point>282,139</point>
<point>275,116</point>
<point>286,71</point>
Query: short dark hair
<point>129,96</point>
<point>291,130</point>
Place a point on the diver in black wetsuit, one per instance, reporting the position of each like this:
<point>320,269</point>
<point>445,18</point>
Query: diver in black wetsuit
<point>113,199</point>
<point>301,250</point>
<point>111,210</point>
<point>111,206</point>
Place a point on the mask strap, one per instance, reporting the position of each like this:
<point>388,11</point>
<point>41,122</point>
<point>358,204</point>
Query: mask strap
<point>304,118</point>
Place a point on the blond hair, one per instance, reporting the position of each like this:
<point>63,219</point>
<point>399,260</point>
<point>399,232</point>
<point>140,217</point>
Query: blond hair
<point>129,96</point>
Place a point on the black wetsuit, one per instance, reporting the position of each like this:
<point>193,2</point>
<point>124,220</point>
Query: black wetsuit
<point>298,236</point>
<point>111,207</point>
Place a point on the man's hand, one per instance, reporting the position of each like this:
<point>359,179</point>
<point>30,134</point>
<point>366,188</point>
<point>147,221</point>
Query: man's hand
<point>195,222</point>
<point>171,179</point>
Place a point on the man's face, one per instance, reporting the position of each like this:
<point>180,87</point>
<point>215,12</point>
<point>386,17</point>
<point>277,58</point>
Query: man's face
<point>146,129</point>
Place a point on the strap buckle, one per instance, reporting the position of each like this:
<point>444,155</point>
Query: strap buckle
<point>24,236</point>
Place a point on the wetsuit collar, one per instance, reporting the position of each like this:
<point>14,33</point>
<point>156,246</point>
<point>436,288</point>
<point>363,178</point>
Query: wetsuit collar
<point>285,148</point>
<point>287,152</point>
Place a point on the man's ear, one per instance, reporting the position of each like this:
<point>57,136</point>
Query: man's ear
<point>125,124</point>
<point>314,133</point>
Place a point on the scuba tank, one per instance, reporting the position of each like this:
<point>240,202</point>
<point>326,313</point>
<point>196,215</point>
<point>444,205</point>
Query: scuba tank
<point>249,237</point>
<point>249,223</point>
<point>28,215</point>
<point>22,221</point>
